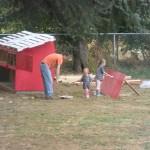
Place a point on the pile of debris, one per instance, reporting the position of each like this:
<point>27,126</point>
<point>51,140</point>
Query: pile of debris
<point>75,79</point>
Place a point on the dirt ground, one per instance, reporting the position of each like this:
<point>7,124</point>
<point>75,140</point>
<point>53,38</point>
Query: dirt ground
<point>29,122</point>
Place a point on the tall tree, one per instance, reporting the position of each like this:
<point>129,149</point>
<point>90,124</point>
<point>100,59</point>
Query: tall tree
<point>76,18</point>
<point>72,17</point>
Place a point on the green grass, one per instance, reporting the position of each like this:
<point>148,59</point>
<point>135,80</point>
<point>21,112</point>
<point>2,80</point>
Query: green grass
<point>99,123</point>
<point>142,73</point>
<point>135,71</point>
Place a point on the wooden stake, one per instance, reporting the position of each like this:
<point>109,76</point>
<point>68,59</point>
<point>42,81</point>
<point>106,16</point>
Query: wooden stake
<point>132,88</point>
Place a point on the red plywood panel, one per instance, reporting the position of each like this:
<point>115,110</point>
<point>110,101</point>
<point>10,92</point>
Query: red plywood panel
<point>24,62</point>
<point>112,86</point>
<point>32,81</point>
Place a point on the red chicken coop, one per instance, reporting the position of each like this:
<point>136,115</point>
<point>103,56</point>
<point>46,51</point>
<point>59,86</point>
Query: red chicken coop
<point>20,57</point>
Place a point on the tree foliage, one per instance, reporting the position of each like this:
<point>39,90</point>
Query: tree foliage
<point>79,17</point>
<point>76,18</point>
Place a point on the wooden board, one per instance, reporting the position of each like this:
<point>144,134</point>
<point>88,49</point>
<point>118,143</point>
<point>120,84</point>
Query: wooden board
<point>66,97</point>
<point>134,82</point>
<point>73,78</point>
<point>8,86</point>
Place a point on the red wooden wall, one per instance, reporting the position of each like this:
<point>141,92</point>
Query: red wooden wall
<point>28,75</point>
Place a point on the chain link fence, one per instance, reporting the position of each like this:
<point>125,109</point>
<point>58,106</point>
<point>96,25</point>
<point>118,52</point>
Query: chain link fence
<point>130,49</point>
<point>134,47</point>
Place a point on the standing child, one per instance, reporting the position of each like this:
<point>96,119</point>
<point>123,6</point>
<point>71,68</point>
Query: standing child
<point>86,79</point>
<point>100,73</point>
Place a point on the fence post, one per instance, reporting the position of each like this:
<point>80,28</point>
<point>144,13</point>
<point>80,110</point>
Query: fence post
<point>114,49</point>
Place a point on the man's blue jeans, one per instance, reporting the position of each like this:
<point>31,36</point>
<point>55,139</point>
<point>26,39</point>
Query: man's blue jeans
<point>47,80</point>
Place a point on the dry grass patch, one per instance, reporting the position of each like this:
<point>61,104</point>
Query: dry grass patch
<point>98,123</point>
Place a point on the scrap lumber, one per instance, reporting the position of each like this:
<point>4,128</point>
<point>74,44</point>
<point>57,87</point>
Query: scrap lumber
<point>66,97</point>
<point>131,87</point>
<point>72,78</point>
<point>134,82</point>
<point>127,77</point>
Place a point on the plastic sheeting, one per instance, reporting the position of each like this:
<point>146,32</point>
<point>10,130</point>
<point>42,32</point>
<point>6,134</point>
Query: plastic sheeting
<point>145,84</point>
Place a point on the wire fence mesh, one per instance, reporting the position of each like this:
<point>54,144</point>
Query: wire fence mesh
<point>131,49</point>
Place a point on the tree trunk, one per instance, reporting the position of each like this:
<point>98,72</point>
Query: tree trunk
<point>80,57</point>
<point>143,54</point>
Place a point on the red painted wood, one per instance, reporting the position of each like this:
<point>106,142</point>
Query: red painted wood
<point>32,80</point>
<point>112,86</point>
<point>24,62</point>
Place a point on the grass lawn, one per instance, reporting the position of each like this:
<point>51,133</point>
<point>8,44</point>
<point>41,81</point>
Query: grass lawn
<point>28,122</point>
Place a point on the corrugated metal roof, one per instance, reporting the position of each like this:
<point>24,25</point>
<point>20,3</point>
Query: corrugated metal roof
<point>25,39</point>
